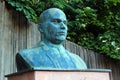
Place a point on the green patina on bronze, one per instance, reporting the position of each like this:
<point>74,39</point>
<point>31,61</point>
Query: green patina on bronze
<point>50,53</point>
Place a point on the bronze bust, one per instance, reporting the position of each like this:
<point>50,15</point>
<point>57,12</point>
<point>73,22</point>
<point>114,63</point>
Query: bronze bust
<point>50,53</point>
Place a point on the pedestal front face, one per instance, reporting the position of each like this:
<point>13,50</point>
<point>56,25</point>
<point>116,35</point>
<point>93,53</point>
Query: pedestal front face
<point>61,75</point>
<point>72,76</point>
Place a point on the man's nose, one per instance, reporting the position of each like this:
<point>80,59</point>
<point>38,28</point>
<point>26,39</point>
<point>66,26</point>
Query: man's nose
<point>63,26</point>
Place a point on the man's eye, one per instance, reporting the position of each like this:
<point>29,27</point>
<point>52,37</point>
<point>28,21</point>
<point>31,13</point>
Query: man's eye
<point>56,20</point>
<point>65,22</point>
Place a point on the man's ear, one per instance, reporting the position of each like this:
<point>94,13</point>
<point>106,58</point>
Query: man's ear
<point>40,27</point>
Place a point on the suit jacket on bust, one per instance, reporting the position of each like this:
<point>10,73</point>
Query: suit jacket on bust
<point>48,57</point>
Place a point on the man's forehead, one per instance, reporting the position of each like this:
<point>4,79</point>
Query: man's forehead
<point>54,13</point>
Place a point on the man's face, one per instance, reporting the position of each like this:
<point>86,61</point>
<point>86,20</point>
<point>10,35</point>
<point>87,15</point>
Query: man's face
<point>55,27</point>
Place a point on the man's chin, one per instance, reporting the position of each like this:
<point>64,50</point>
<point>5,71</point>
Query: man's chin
<point>59,41</point>
<point>61,38</point>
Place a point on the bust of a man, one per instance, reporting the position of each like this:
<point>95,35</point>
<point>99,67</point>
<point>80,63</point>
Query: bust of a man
<point>50,53</point>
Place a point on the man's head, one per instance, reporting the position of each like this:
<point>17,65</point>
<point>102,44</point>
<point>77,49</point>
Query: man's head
<point>53,25</point>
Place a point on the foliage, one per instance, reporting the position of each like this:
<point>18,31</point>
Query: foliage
<point>94,24</point>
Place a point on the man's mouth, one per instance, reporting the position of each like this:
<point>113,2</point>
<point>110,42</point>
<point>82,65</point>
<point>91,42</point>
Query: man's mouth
<point>61,33</point>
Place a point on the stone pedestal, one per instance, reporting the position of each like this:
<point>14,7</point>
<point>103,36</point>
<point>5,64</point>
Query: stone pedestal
<point>97,74</point>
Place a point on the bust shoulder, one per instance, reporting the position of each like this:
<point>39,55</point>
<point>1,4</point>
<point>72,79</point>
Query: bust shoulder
<point>80,64</point>
<point>30,52</point>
